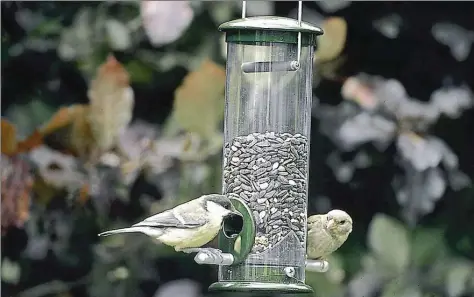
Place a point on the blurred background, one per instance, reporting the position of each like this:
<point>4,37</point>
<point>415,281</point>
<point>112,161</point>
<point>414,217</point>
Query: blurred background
<point>112,111</point>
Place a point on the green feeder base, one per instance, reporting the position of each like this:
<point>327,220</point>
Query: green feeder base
<point>259,289</point>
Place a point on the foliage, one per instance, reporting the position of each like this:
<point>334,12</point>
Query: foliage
<point>113,111</point>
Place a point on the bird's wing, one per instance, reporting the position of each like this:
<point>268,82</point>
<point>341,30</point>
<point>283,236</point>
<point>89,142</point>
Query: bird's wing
<point>172,218</point>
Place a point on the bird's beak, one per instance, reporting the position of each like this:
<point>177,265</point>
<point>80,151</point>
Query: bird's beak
<point>329,224</point>
<point>233,213</point>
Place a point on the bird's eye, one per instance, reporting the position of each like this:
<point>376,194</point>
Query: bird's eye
<point>343,222</point>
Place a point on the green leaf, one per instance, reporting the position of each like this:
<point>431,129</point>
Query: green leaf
<point>10,271</point>
<point>399,288</point>
<point>201,93</point>
<point>424,240</point>
<point>139,72</point>
<point>48,27</point>
<point>221,11</point>
<point>458,275</point>
<point>27,117</point>
<point>388,239</point>
<point>118,35</point>
<point>77,41</point>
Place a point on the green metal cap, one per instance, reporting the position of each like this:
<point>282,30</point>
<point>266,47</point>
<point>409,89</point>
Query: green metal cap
<point>270,29</point>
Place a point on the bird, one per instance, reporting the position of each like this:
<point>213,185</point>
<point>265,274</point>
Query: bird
<point>188,226</point>
<point>327,233</point>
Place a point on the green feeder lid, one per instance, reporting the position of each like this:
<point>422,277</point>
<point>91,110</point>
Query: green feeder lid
<point>271,23</point>
<point>279,29</point>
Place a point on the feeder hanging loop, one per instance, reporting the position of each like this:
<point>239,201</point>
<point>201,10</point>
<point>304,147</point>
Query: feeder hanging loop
<point>294,65</point>
<point>300,13</point>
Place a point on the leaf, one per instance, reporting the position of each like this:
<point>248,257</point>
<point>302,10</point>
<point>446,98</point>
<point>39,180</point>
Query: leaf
<point>81,138</point>
<point>356,90</point>
<point>118,35</point>
<point>458,276</point>
<point>9,143</point>
<point>389,25</point>
<point>331,43</point>
<point>329,70</point>
<point>139,72</point>
<point>181,287</point>
<point>198,103</point>
<point>257,8</point>
<point>58,170</point>
<point>363,128</point>
<point>422,250</point>
<point>452,101</point>
<point>458,39</point>
<point>399,288</point>
<point>16,188</point>
<point>83,194</point>
<point>388,239</point>
<point>44,192</point>
<point>111,103</point>
<point>77,41</point>
<point>11,271</point>
<point>74,119</point>
<point>330,6</point>
<point>31,142</point>
<point>364,283</point>
<point>221,12</point>
<point>165,21</point>
<point>421,153</point>
<point>61,118</point>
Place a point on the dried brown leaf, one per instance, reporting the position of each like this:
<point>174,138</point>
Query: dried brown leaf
<point>81,137</point>
<point>84,194</point>
<point>355,90</point>
<point>199,101</point>
<point>31,142</point>
<point>62,118</point>
<point>16,189</point>
<point>331,43</point>
<point>111,103</point>
<point>73,121</point>
<point>9,142</point>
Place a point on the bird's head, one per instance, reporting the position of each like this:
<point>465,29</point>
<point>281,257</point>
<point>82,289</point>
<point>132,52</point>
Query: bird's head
<point>338,222</point>
<point>220,205</point>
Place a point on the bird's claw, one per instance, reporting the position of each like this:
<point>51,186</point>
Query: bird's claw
<point>211,256</point>
<point>209,251</point>
<point>190,250</point>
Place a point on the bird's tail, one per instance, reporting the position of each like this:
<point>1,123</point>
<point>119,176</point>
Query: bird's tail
<point>124,230</point>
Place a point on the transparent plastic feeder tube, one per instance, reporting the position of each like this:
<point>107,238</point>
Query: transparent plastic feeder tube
<point>266,154</point>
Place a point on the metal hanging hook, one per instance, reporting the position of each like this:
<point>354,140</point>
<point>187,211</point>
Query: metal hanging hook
<point>300,16</point>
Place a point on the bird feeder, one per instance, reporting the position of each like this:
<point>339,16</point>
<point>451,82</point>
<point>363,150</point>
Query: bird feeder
<point>266,153</point>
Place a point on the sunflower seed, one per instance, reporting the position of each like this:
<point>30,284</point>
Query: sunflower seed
<point>269,172</point>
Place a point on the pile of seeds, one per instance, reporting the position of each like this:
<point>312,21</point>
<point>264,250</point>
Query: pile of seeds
<point>269,171</point>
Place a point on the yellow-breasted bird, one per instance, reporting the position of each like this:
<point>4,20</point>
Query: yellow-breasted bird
<point>327,232</point>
